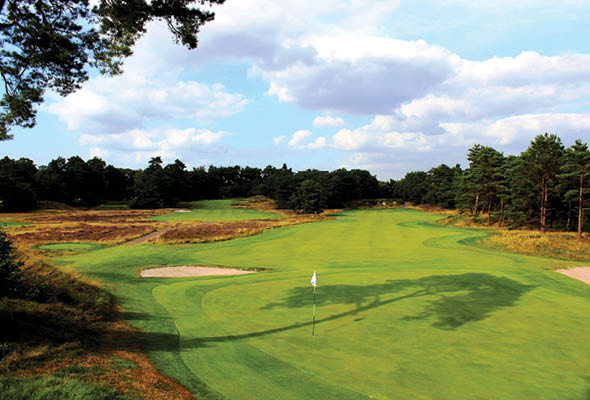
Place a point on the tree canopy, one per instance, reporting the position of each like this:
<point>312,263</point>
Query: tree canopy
<point>52,44</point>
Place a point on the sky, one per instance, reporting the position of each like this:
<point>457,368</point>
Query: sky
<point>388,86</point>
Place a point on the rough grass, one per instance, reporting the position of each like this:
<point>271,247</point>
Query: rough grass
<point>561,245</point>
<point>53,387</point>
<point>406,310</point>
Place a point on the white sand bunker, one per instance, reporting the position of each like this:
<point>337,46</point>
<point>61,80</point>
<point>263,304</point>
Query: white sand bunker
<point>190,270</point>
<point>182,210</point>
<point>580,273</point>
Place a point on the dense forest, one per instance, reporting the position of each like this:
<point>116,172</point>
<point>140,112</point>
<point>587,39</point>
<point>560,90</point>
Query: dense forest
<point>545,186</point>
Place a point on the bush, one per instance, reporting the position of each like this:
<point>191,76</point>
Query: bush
<point>9,267</point>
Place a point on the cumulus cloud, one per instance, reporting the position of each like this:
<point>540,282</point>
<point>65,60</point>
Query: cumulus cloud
<point>110,105</point>
<point>327,121</point>
<point>169,143</point>
<point>299,140</point>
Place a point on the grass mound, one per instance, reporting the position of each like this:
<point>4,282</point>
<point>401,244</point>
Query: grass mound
<point>78,247</point>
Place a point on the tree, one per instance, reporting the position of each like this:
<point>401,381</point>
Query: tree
<point>577,167</point>
<point>308,198</point>
<point>542,160</point>
<point>9,267</point>
<point>17,185</point>
<point>51,44</point>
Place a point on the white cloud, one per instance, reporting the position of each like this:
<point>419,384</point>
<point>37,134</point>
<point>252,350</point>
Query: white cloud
<point>346,139</point>
<point>319,143</point>
<point>110,105</point>
<point>298,138</point>
<point>327,121</point>
<point>168,143</point>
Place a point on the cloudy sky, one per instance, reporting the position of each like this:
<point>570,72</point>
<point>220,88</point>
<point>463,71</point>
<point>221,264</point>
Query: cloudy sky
<point>389,86</point>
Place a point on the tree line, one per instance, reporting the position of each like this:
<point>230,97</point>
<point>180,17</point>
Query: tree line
<point>547,185</point>
<point>89,183</point>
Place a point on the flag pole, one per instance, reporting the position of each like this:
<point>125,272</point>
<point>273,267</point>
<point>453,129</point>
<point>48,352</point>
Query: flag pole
<point>314,282</point>
<point>313,323</point>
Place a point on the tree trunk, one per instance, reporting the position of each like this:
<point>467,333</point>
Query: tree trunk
<point>581,207</point>
<point>476,203</point>
<point>544,197</point>
<point>501,212</point>
<point>489,213</point>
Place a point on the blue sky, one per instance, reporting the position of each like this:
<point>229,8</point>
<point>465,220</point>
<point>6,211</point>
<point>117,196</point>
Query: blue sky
<point>388,86</point>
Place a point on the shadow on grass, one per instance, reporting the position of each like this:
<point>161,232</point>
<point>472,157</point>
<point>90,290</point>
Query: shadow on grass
<point>456,300</point>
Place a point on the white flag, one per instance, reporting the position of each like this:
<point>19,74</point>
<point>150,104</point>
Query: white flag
<point>314,279</point>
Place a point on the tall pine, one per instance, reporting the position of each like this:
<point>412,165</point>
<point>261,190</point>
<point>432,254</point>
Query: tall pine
<point>576,167</point>
<point>542,160</point>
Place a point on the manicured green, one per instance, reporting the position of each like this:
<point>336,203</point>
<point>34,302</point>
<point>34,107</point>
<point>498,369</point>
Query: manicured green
<point>406,310</point>
<point>70,246</point>
<point>216,210</point>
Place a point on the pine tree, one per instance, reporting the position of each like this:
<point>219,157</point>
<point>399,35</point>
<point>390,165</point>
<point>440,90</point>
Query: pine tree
<point>577,167</point>
<point>543,159</point>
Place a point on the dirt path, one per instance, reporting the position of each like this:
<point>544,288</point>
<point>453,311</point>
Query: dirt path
<point>580,273</point>
<point>145,238</point>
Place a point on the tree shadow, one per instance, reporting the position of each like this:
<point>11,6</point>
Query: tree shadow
<point>457,300</point>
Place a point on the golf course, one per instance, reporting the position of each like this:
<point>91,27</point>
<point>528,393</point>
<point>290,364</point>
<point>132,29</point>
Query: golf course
<point>406,309</point>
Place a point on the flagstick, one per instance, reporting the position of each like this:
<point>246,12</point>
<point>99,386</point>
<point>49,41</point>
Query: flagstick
<point>313,323</point>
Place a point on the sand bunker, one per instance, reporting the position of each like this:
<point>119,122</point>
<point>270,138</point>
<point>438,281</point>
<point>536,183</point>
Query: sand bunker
<point>182,210</point>
<point>580,273</point>
<point>189,270</point>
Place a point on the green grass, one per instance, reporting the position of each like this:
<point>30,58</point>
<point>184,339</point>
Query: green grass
<point>78,247</point>
<point>52,387</point>
<point>216,210</point>
<point>10,224</point>
<point>406,310</point>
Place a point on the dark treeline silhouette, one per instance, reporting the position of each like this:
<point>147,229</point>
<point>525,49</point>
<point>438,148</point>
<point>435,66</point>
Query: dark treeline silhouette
<point>89,183</point>
<point>545,186</point>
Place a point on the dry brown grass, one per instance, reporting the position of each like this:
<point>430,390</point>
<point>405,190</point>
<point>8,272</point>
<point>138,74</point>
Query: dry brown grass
<point>106,227</point>
<point>201,232</point>
<point>562,245</point>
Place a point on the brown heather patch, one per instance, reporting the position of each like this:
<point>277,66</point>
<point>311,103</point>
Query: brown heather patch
<point>562,245</point>
<point>106,226</point>
<point>199,232</point>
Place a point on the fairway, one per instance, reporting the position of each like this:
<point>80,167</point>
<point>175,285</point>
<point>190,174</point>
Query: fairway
<point>215,210</point>
<point>406,310</point>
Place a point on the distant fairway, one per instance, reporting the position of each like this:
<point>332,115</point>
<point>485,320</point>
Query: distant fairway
<point>216,210</point>
<point>406,310</point>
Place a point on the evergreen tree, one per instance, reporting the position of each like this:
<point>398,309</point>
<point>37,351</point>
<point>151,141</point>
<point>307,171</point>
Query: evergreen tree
<point>577,167</point>
<point>542,161</point>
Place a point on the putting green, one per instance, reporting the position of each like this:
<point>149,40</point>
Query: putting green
<point>406,310</point>
<point>215,210</point>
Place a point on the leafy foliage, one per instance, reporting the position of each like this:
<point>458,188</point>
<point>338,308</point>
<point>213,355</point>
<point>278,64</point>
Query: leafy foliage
<point>51,44</point>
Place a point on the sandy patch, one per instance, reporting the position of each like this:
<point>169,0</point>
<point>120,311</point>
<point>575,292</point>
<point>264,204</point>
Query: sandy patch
<point>580,273</point>
<point>188,270</point>
<point>182,210</point>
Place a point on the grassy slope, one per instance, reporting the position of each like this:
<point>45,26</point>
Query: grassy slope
<point>216,210</point>
<point>405,311</point>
